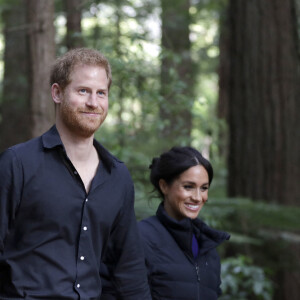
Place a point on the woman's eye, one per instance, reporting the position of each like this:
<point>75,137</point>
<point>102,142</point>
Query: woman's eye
<point>188,187</point>
<point>204,188</point>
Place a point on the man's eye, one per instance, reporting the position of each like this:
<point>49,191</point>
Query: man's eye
<point>101,93</point>
<point>82,91</point>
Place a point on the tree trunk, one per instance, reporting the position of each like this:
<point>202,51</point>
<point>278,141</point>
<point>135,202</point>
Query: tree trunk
<point>73,10</point>
<point>121,91</point>
<point>260,84</point>
<point>15,97</point>
<point>176,73</point>
<point>42,53</point>
<point>259,95</point>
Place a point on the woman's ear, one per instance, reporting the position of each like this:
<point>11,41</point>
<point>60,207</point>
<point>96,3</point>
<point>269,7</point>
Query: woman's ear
<point>56,93</point>
<point>163,186</point>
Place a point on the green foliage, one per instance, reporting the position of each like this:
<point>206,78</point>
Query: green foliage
<point>126,32</point>
<point>253,216</point>
<point>242,280</point>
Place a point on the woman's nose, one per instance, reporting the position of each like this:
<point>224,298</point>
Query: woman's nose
<point>197,195</point>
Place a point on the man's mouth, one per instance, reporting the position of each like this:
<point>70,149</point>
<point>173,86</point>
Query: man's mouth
<point>89,113</point>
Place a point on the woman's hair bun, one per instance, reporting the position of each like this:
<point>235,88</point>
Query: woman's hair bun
<point>154,162</point>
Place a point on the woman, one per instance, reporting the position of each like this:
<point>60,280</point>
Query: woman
<point>180,249</point>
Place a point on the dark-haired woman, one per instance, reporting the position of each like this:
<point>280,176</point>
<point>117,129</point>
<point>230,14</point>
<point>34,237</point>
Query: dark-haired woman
<point>180,249</point>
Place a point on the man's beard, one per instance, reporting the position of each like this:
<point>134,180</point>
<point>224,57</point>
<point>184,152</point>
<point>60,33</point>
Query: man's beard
<point>79,123</point>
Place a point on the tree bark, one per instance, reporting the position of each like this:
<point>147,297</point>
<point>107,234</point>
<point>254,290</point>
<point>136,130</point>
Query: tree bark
<point>259,96</point>
<point>42,52</point>
<point>176,73</point>
<point>15,97</point>
<point>121,91</point>
<point>259,83</point>
<point>74,36</point>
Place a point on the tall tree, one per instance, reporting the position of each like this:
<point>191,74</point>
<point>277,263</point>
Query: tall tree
<point>259,95</point>
<point>176,72</point>
<point>15,97</point>
<point>74,35</point>
<point>40,15</point>
<point>259,78</point>
<point>121,89</point>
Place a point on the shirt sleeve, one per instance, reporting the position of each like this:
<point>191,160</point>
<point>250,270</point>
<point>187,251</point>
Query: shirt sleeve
<point>10,192</point>
<point>124,257</point>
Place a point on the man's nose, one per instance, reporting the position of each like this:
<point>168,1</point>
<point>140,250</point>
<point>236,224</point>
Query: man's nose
<point>92,100</point>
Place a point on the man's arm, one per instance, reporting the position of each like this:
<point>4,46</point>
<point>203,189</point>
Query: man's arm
<point>10,192</point>
<point>124,257</point>
<point>109,291</point>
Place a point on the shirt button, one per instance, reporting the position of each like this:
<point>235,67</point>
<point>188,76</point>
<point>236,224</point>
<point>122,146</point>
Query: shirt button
<point>86,200</point>
<point>78,285</point>
<point>84,228</point>
<point>75,172</point>
<point>82,257</point>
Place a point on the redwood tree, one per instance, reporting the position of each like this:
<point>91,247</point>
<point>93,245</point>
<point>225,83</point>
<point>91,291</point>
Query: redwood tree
<point>259,96</point>
<point>259,90</point>
<point>40,14</point>
<point>176,72</point>
<point>73,11</point>
<point>14,107</point>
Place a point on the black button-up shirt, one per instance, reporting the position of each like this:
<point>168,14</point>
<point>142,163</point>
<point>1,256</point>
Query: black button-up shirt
<point>53,234</point>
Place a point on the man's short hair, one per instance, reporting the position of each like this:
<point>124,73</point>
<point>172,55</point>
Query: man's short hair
<point>64,65</point>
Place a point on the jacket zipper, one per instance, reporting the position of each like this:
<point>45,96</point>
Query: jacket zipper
<point>198,279</point>
<point>197,271</point>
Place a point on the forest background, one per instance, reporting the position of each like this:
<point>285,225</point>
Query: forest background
<point>220,75</point>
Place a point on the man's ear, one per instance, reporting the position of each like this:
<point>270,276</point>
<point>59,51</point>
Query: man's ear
<point>56,93</point>
<point>163,186</point>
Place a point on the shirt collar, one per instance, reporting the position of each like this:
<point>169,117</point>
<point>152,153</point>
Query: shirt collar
<point>52,140</point>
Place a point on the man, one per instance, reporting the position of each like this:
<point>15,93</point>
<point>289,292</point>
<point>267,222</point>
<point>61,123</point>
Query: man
<point>66,202</point>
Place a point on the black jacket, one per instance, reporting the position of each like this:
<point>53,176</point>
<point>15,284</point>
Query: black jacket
<point>173,272</point>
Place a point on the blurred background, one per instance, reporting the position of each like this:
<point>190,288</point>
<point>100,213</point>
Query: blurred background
<point>220,75</point>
